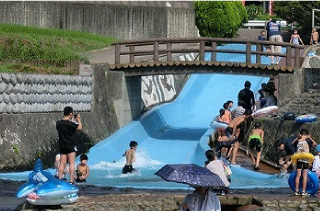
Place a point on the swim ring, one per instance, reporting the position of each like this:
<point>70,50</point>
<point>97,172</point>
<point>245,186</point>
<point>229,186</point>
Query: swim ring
<point>265,111</point>
<point>312,182</point>
<point>306,118</point>
<point>218,125</point>
<point>302,155</point>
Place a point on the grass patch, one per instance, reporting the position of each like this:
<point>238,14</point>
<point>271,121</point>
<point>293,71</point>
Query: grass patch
<point>32,49</point>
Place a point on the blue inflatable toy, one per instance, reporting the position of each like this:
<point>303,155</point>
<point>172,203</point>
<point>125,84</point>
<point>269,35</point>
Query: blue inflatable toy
<point>306,118</point>
<point>43,187</point>
<point>312,183</point>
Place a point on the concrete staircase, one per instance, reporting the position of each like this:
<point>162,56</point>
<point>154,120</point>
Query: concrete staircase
<point>309,102</point>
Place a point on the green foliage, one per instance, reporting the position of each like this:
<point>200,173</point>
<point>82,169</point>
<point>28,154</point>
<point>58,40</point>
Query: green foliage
<point>50,47</point>
<point>297,11</point>
<point>267,17</point>
<point>15,149</point>
<point>253,11</point>
<point>219,18</point>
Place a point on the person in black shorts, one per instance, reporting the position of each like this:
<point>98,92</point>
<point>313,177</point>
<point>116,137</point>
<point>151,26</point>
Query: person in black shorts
<point>130,157</point>
<point>233,132</point>
<point>66,128</point>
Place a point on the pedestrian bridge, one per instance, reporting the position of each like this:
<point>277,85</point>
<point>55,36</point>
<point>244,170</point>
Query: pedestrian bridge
<point>156,56</point>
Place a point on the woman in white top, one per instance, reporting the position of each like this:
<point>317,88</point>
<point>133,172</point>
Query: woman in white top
<point>216,166</point>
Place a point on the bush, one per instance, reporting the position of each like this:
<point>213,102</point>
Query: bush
<point>297,11</point>
<point>219,19</point>
<point>253,11</point>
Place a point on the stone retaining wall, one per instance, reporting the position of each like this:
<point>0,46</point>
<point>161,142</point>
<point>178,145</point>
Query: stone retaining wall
<point>25,135</point>
<point>122,20</point>
<point>28,93</point>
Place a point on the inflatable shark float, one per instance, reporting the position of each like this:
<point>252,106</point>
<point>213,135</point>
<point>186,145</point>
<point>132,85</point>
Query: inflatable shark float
<point>43,188</point>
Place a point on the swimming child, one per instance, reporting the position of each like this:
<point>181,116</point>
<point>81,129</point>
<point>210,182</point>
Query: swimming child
<point>314,37</point>
<point>130,158</point>
<point>295,38</point>
<point>255,142</point>
<point>83,170</point>
<point>302,164</point>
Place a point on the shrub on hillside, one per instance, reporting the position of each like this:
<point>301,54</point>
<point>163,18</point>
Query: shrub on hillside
<point>219,18</point>
<point>299,12</point>
<point>253,11</point>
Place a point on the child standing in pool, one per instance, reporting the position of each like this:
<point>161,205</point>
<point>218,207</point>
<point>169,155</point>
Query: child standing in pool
<point>302,164</point>
<point>83,170</point>
<point>255,142</point>
<point>130,157</point>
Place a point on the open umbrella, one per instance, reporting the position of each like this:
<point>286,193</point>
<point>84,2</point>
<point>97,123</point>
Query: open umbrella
<point>190,174</point>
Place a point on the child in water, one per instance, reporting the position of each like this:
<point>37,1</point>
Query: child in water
<point>130,157</point>
<point>255,142</point>
<point>83,170</point>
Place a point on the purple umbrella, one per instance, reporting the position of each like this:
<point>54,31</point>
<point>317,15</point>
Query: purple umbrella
<point>190,174</point>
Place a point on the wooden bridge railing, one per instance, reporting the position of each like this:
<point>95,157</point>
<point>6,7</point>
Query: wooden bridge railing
<point>201,45</point>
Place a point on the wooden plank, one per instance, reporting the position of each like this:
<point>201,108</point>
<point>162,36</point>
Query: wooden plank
<point>248,53</point>
<point>258,55</point>
<point>288,56</point>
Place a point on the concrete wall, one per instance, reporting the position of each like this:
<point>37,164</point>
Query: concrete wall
<point>133,20</point>
<point>291,86</point>
<point>25,136</point>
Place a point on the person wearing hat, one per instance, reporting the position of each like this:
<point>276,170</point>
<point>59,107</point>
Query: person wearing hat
<point>271,98</point>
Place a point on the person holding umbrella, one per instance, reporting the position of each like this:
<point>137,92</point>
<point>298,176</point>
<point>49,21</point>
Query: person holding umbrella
<point>202,179</point>
<point>202,199</point>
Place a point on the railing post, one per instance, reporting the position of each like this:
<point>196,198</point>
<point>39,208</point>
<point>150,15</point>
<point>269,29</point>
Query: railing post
<point>248,53</point>
<point>202,50</point>
<point>213,53</point>
<point>258,55</point>
<point>156,51</point>
<point>296,57</point>
<point>117,54</point>
<point>132,56</point>
<point>169,53</point>
<point>288,56</point>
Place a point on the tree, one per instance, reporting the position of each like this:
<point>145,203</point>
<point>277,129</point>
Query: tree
<point>297,11</point>
<point>219,18</point>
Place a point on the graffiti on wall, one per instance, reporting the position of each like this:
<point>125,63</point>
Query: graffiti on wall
<point>156,89</point>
